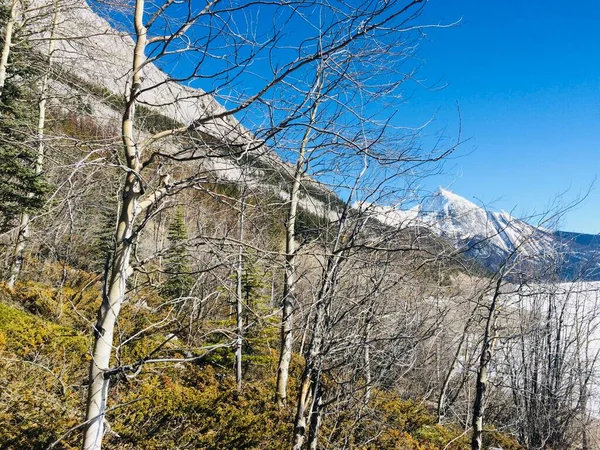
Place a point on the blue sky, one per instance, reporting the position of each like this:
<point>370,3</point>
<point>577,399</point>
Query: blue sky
<point>526,75</point>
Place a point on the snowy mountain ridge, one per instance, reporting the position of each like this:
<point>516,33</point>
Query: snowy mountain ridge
<point>492,237</point>
<point>464,223</point>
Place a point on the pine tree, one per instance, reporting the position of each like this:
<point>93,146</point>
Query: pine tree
<point>253,284</point>
<point>21,188</point>
<point>177,261</point>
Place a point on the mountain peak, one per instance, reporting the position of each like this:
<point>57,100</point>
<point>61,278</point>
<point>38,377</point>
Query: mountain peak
<point>491,237</point>
<point>445,201</point>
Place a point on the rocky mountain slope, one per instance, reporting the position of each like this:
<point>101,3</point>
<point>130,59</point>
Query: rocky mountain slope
<point>92,60</point>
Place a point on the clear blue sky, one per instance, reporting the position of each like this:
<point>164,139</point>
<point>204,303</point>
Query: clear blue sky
<point>526,75</point>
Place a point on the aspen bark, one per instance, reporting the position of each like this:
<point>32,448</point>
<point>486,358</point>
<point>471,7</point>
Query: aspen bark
<point>315,417</point>
<point>290,275</point>
<point>239,305</point>
<point>300,424</point>
<point>24,224</point>
<point>289,284</point>
<point>368,376</point>
<point>119,270</point>
<point>8,35</point>
<point>482,378</point>
<point>311,376</point>
<point>441,406</point>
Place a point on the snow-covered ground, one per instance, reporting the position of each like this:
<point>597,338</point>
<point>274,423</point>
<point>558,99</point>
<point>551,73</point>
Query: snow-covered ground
<point>574,311</point>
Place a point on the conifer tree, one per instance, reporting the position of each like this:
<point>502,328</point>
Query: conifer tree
<point>253,284</point>
<point>177,261</point>
<point>40,147</point>
<point>21,188</point>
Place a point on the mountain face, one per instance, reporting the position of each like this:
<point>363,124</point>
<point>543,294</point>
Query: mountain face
<point>491,237</point>
<point>488,236</point>
<point>93,60</point>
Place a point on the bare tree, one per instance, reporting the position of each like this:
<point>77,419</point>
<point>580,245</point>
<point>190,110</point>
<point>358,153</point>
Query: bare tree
<point>290,272</point>
<point>331,117</point>
<point>23,230</point>
<point>203,129</point>
<point>239,300</point>
<point>357,307</point>
<point>487,351</point>
<point>552,362</point>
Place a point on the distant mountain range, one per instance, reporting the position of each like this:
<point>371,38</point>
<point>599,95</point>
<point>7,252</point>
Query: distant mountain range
<point>491,237</point>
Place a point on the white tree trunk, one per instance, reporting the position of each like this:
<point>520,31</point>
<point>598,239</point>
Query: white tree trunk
<point>481,386</point>
<point>289,285</point>
<point>309,397</point>
<point>23,234</point>
<point>290,276</point>
<point>315,418</point>
<point>239,340</point>
<point>441,406</point>
<point>8,35</point>
<point>119,269</point>
<point>303,403</point>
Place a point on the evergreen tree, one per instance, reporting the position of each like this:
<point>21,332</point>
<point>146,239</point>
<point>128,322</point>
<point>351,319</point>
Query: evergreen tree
<point>21,189</point>
<point>253,284</point>
<point>177,261</point>
<point>104,244</point>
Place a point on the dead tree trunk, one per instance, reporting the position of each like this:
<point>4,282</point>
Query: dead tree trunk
<point>487,351</point>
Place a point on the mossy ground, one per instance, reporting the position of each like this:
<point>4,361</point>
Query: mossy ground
<point>44,356</point>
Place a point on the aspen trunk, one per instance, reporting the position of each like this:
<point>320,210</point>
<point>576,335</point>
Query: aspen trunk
<point>309,398</point>
<point>311,376</point>
<point>480,391</point>
<point>315,417</point>
<point>368,377</point>
<point>441,406</point>
<point>481,386</point>
<point>117,276</point>
<point>23,234</point>
<point>8,35</point>
<point>289,282</point>
<point>303,403</point>
<point>119,269</point>
<point>239,305</point>
<point>289,285</point>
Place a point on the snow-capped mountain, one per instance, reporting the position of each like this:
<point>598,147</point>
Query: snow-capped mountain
<point>493,237</point>
<point>488,233</point>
